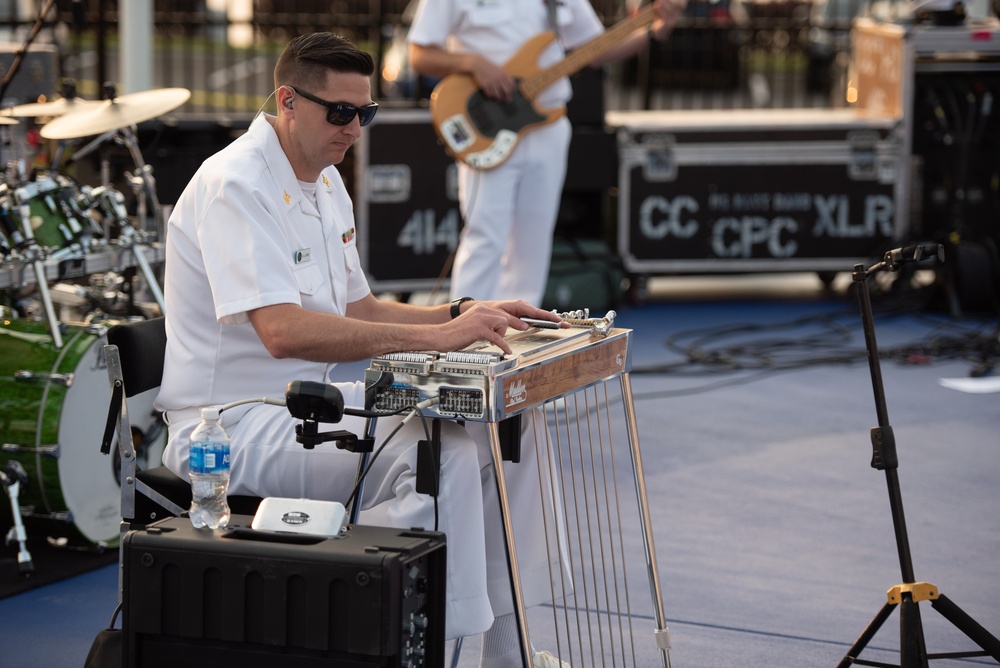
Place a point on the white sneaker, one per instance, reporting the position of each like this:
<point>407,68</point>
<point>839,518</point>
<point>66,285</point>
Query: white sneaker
<point>547,660</point>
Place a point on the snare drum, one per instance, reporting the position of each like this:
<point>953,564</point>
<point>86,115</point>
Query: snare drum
<point>58,221</point>
<point>54,409</point>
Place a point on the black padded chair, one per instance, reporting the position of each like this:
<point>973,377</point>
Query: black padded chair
<point>134,355</point>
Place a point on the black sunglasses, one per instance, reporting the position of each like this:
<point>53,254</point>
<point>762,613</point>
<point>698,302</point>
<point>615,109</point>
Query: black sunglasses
<point>341,113</point>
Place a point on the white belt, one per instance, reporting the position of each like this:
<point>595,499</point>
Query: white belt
<point>227,418</point>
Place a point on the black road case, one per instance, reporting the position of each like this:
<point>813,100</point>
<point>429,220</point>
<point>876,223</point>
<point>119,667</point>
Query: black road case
<point>244,598</point>
<point>755,190</point>
<point>406,203</point>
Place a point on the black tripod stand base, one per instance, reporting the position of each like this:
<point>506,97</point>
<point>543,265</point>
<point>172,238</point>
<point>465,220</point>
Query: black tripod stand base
<point>967,625</point>
<point>913,653</point>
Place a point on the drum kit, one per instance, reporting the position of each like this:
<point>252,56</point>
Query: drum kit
<point>53,379</point>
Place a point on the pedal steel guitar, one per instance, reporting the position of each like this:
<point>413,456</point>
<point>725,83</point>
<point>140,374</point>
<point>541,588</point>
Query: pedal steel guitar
<point>571,374</point>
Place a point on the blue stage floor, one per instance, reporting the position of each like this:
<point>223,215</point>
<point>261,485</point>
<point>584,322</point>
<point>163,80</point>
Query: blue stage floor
<point>773,532</point>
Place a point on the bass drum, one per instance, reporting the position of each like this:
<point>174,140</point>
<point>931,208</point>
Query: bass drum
<point>54,409</point>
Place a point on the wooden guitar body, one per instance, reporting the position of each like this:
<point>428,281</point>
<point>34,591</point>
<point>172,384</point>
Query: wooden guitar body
<point>483,132</point>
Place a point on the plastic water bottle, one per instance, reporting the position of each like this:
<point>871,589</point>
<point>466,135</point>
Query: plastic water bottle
<point>209,470</point>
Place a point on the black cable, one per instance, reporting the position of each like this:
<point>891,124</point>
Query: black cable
<point>114,615</point>
<point>704,354</point>
<point>378,451</point>
<point>437,464</point>
<point>375,454</point>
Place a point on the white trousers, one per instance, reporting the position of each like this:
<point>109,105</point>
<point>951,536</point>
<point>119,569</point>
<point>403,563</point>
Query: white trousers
<point>510,214</point>
<point>268,462</point>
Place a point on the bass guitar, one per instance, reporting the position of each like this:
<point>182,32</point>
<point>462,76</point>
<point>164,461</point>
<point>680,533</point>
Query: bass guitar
<point>483,132</point>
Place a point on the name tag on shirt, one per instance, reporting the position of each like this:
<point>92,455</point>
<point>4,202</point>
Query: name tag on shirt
<point>302,256</point>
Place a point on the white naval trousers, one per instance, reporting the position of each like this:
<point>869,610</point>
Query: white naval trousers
<point>510,214</point>
<point>268,462</point>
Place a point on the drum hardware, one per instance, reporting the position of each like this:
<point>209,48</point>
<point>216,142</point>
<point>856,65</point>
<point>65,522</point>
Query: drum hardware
<point>62,543</point>
<point>59,214</point>
<point>89,147</point>
<point>74,301</point>
<point>116,117</point>
<point>112,203</point>
<point>54,226</point>
<point>140,180</point>
<point>43,450</point>
<point>143,185</point>
<point>105,170</point>
<point>64,379</point>
<point>12,477</point>
<point>93,298</point>
<point>8,222</point>
<point>37,265</point>
<point>62,227</point>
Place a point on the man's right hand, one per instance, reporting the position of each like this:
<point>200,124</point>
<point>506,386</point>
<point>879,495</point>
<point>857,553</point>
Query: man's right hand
<point>492,80</point>
<point>488,321</point>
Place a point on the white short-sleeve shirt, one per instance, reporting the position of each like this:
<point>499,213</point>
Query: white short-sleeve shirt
<point>242,236</point>
<point>497,29</point>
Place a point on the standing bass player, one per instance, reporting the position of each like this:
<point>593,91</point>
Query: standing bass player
<point>500,110</point>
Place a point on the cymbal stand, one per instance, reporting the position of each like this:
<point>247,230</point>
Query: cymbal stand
<point>35,255</point>
<point>90,146</point>
<point>143,176</point>
<point>913,650</point>
<point>113,203</point>
<point>12,477</point>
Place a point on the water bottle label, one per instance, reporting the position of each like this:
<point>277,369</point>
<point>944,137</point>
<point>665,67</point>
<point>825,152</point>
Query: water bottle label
<point>209,458</point>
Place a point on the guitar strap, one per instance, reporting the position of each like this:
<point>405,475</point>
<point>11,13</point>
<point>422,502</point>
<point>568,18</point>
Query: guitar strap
<point>553,19</point>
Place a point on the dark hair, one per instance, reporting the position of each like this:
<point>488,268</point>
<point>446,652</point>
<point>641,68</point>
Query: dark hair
<point>307,58</point>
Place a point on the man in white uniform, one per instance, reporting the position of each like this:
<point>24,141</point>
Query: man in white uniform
<point>263,286</point>
<point>510,210</point>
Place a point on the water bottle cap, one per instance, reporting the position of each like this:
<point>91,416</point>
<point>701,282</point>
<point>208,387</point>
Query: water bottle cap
<point>210,413</point>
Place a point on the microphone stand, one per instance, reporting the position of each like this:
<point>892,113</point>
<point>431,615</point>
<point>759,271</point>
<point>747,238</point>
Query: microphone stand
<point>913,650</point>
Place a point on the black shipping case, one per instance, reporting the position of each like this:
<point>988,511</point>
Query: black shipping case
<point>406,195</point>
<point>243,598</point>
<point>405,203</point>
<point>757,190</point>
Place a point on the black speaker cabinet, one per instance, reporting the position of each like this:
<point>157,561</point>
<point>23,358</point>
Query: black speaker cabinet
<point>244,598</point>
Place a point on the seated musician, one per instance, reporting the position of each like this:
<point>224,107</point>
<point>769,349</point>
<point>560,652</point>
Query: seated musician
<point>263,286</point>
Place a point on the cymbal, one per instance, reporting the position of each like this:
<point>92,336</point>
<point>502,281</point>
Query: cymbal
<point>56,107</point>
<point>120,112</point>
